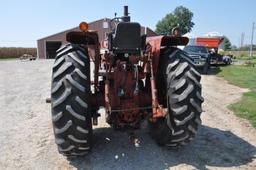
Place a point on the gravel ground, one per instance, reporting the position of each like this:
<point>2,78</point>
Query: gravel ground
<point>26,137</point>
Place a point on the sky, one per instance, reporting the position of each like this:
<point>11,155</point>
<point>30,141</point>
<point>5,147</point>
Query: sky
<point>22,22</point>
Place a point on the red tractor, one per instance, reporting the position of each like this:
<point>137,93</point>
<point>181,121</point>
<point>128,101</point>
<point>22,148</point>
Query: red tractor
<point>135,78</point>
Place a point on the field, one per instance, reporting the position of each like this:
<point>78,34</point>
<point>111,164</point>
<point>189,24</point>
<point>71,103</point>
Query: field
<point>247,59</point>
<point>13,52</point>
<point>243,76</point>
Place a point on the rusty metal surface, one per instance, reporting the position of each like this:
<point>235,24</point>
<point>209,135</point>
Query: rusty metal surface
<point>124,103</point>
<point>128,91</point>
<point>156,42</point>
<point>78,37</point>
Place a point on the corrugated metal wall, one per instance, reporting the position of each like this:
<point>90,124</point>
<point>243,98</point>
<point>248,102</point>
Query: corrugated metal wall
<point>96,25</point>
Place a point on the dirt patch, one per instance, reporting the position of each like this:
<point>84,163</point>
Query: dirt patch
<point>26,137</point>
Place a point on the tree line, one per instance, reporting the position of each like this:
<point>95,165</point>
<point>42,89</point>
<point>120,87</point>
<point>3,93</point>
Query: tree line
<point>16,52</point>
<point>243,48</point>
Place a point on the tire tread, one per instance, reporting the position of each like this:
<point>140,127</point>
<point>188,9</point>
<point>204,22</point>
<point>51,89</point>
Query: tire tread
<point>70,94</point>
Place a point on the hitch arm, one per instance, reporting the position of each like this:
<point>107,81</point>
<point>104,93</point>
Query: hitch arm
<point>157,109</point>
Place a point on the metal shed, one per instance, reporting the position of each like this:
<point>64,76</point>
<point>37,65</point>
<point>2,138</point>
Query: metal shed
<point>47,46</point>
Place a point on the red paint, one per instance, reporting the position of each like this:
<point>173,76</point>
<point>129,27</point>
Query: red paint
<point>210,42</point>
<point>124,105</point>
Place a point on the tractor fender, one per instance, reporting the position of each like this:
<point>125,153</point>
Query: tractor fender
<point>156,42</point>
<point>91,40</point>
<point>86,38</point>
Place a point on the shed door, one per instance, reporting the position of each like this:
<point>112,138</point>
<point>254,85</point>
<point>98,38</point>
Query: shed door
<point>51,48</point>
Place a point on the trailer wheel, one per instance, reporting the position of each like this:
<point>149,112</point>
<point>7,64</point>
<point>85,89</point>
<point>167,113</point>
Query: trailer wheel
<point>183,96</point>
<point>70,97</point>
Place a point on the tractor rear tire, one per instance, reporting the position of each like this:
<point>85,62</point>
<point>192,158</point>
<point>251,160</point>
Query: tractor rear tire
<point>70,101</point>
<point>184,100</point>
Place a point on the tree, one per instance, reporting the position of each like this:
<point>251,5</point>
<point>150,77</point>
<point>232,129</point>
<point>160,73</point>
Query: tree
<point>181,17</point>
<point>227,44</point>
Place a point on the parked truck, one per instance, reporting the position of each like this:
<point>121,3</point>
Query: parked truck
<point>213,43</point>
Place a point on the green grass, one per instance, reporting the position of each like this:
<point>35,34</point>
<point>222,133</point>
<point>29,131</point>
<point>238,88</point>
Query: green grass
<point>253,59</point>
<point>243,76</point>
<point>246,108</point>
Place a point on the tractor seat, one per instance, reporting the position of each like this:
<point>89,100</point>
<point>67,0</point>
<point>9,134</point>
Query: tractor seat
<point>126,38</point>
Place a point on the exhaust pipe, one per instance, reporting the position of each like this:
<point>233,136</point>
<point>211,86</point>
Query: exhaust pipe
<point>126,17</point>
<point>126,11</point>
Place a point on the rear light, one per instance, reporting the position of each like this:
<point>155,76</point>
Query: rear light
<point>83,26</point>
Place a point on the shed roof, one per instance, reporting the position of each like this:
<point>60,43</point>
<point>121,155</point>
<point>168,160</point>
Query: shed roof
<point>77,28</point>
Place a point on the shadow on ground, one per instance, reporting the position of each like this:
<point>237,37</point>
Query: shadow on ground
<point>212,147</point>
<point>214,70</point>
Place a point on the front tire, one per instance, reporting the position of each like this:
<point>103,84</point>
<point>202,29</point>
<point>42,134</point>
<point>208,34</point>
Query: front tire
<point>184,100</point>
<point>70,96</point>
